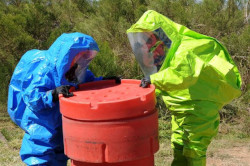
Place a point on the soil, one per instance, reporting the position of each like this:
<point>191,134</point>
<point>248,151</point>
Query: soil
<point>238,155</point>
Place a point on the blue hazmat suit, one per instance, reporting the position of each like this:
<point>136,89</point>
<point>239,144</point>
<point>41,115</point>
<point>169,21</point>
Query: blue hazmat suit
<point>30,103</point>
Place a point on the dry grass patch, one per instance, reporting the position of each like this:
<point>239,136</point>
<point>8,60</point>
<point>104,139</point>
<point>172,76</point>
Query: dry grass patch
<point>164,156</point>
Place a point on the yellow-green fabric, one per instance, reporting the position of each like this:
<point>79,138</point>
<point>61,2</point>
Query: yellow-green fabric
<point>197,78</point>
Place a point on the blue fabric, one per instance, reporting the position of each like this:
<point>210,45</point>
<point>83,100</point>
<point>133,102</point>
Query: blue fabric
<point>30,103</point>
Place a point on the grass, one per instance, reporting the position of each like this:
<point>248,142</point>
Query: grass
<point>230,147</point>
<point>9,148</point>
<point>9,156</point>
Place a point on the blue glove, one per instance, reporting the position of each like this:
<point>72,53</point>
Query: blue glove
<point>145,82</point>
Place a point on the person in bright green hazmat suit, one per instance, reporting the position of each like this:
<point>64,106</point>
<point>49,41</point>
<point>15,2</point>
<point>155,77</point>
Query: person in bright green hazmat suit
<point>195,76</point>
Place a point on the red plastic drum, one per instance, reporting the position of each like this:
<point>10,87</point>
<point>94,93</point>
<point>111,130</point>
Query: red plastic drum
<point>108,124</point>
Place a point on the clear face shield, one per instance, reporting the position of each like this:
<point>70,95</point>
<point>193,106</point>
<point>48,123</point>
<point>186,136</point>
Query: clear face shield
<point>150,49</point>
<point>77,72</point>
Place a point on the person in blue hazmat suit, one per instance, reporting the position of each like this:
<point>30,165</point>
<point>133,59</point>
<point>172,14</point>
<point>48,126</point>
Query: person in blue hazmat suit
<point>38,79</point>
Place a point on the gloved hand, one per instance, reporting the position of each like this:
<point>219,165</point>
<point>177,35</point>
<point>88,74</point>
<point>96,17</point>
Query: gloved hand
<point>64,89</point>
<point>145,82</point>
<point>117,79</point>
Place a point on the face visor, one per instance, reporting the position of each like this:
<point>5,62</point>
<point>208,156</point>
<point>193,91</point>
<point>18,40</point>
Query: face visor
<point>77,72</point>
<point>150,49</point>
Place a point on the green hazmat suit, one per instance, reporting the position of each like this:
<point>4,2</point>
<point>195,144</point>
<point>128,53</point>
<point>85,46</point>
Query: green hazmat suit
<point>197,78</point>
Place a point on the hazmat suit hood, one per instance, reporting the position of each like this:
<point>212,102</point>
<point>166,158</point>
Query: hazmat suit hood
<point>184,46</point>
<point>40,71</point>
<point>65,49</point>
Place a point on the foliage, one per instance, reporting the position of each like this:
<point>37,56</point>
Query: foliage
<point>29,24</point>
<point>105,63</point>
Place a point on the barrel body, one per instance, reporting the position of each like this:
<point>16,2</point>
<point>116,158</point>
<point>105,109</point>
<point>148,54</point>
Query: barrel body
<point>106,124</point>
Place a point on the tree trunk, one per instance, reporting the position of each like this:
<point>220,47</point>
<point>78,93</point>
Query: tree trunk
<point>247,15</point>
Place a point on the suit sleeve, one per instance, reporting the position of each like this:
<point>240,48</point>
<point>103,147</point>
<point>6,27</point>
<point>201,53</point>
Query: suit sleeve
<point>37,89</point>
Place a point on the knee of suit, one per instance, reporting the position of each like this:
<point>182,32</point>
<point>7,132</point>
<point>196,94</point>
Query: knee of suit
<point>35,152</point>
<point>196,161</point>
<point>194,153</point>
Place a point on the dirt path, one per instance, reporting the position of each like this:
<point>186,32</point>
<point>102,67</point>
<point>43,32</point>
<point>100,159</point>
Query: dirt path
<point>221,152</point>
<point>2,138</point>
<point>237,155</point>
